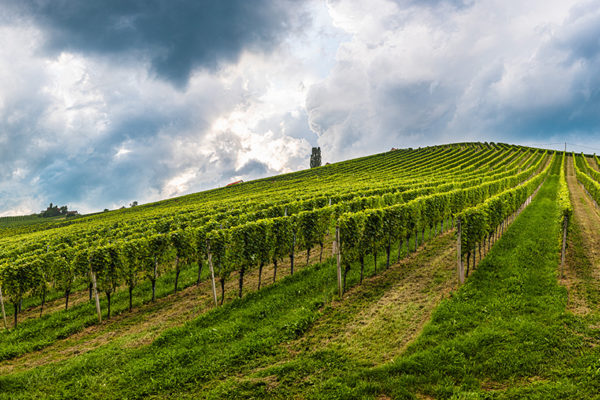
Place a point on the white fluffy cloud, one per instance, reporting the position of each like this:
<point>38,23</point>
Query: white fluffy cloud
<point>97,121</point>
<point>419,73</point>
<point>84,130</point>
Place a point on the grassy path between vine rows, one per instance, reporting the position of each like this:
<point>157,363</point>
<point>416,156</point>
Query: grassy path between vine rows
<point>592,162</point>
<point>506,334</point>
<point>147,321</point>
<point>372,324</point>
<point>582,272</point>
<point>54,305</point>
<point>511,332</point>
<point>210,355</point>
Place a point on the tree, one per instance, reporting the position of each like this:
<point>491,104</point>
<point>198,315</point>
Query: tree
<point>107,262</point>
<point>308,230</point>
<point>216,246</point>
<point>82,263</point>
<point>403,230</point>
<point>282,240</point>
<point>323,225</point>
<point>390,230</point>
<point>242,249</point>
<point>17,279</point>
<point>315,158</point>
<point>264,245</point>
<point>181,242</point>
<point>351,241</point>
<point>64,271</point>
<point>199,249</point>
<point>373,233</point>
<point>474,227</point>
<point>157,248</point>
<point>40,271</point>
<point>413,220</point>
<point>134,253</point>
<point>292,244</point>
<point>51,211</point>
<point>432,212</point>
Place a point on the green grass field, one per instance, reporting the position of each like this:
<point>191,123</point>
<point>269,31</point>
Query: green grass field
<point>516,329</point>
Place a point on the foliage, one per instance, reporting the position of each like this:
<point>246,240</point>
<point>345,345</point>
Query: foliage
<point>247,225</point>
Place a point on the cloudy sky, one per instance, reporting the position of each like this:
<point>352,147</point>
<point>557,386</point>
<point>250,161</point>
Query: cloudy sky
<point>107,102</point>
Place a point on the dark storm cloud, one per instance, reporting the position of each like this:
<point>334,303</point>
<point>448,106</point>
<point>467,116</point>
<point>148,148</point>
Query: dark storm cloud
<point>447,71</point>
<point>435,3</point>
<point>425,105</point>
<point>253,168</point>
<point>293,125</point>
<point>577,45</point>
<point>83,123</point>
<point>580,35</point>
<point>175,36</point>
<point>98,174</point>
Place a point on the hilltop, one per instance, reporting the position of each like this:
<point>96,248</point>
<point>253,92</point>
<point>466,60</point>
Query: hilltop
<point>340,281</point>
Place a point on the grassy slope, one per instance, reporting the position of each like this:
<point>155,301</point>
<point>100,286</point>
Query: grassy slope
<point>583,255</point>
<point>505,334</point>
<point>214,345</point>
<point>133,329</point>
<point>27,220</point>
<point>37,333</point>
<point>236,339</point>
<point>371,325</point>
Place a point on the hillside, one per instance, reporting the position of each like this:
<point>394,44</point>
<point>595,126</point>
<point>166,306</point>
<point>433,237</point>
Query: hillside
<point>18,222</point>
<point>340,281</point>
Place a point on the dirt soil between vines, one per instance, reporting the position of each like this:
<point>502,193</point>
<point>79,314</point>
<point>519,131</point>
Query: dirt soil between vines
<point>375,321</point>
<point>145,323</point>
<point>582,269</point>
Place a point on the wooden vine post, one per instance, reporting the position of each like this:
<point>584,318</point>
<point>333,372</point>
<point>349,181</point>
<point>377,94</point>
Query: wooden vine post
<point>292,254</point>
<point>460,266</point>
<point>212,278</point>
<point>3,312</point>
<point>95,290</point>
<point>339,259</point>
<point>564,245</point>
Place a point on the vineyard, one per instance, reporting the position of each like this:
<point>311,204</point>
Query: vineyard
<point>441,272</point>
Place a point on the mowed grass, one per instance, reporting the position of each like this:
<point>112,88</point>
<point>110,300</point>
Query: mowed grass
<point>34,333</point>
<point>232,340</point>
<point>37,333</point>
<point>214,345</point>
<point>371,325</point>
<point>505,335</point>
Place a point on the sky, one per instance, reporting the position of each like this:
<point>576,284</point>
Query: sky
<point>103,103</point>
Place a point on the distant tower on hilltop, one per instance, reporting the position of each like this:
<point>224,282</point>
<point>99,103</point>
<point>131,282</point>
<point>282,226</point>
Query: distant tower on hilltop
<point>315,157</point>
